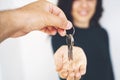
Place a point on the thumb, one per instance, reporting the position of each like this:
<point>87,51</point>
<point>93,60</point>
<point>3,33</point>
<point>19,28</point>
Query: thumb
<point>59,22</point>
<point>58,18</point>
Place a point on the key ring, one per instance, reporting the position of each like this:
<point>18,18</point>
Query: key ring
<point>70,36</point>
<point>72,32</point>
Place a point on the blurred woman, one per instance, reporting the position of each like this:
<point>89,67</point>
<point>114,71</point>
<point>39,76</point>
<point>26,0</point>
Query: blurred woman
<point>89,35</point>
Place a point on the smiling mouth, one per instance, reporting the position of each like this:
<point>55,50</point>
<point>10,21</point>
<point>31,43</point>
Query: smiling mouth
<point>83,13</point>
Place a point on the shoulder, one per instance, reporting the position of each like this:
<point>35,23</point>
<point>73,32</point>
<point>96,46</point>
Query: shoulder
<point>103,33</point>
<point>102,30</point>
<point>99,28</point>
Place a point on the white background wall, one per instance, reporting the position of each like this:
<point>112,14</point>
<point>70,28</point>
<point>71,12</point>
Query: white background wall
<point>111,21</point>
<point>30,57</point>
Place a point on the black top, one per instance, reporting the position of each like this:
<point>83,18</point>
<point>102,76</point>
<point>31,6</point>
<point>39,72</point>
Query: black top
<point>94,41</point>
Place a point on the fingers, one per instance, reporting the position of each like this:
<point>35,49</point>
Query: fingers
<point>53,31</point>
<point>64,72</point>
<point>70,69</point>
<point>58,22</point>
<point>77,73</point>
<point>60,17</point>
<point>56,18</point>
<point>58,57</point>
<point>71,76</point>
<point>62,32</point>
<point>56,11</point>
<point>83,63</point>
<point>58,61</point>
<point>80,61</point>
<point>77,76</point>
<point>83,69</point>
<point>49,30</point>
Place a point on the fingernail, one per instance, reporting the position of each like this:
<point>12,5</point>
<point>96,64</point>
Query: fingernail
<point>69,25</point>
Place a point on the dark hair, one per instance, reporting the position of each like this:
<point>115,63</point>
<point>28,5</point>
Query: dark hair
<point>66,6</point>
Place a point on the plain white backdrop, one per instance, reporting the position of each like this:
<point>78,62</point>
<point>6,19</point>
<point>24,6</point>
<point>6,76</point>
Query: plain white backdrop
<point>31,58</point>
<point>111,22</point>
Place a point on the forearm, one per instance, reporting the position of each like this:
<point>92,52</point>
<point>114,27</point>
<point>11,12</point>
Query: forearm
<point>3,20</point>
<point>6,24</point>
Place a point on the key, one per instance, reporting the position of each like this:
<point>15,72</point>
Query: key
<point>70,43</point>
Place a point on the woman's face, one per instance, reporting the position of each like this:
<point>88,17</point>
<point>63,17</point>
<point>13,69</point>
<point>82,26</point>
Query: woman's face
<point>83,10</point>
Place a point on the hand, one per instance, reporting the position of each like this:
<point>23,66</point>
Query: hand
<point>40,15</point>
<point>44,16</point>
<point>73,69</point>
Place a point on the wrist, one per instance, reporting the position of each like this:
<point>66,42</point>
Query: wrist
<point>7,27</point>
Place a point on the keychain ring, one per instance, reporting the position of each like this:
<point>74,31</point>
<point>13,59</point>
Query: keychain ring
<point>72,32</point>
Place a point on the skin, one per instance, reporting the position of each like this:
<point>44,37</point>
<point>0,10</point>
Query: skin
<point>82,12</point>
<point>40,15</point>
<point>70,69</point>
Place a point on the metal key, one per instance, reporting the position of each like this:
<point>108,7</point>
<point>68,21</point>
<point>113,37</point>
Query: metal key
<point>70,43</point>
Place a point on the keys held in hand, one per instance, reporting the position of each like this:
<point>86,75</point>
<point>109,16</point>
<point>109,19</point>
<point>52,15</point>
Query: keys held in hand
<point>70,60</point>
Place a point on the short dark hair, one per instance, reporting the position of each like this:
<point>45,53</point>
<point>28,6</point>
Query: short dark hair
<point>66,6</point>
